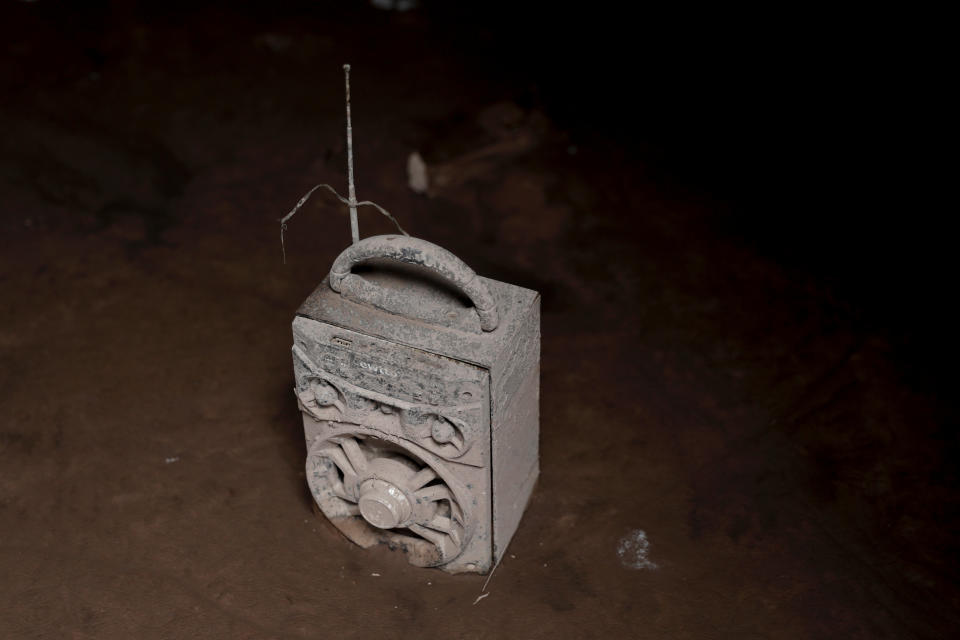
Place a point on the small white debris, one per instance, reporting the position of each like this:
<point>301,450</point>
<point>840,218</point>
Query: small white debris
<point>481,597</point>
<point>417,177</point>
<point>171,460</point>
<point>394,5</point>
<point>375,575</point>
<point>633,550</point>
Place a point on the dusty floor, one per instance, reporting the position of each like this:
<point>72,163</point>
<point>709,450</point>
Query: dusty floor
<point>791,478</point>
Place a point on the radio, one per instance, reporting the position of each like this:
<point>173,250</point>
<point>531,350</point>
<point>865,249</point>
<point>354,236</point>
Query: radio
<point>418,383</point>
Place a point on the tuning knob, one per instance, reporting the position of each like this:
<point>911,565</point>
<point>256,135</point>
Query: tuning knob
<point>382,504</point>
<point>441,431</point>
<point>324,393</point>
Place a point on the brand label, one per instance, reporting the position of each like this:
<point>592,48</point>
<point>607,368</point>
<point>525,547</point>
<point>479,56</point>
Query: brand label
<point>373,368</point>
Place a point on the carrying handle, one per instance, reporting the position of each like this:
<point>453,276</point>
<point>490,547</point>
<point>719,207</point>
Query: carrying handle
<point>418,252</point>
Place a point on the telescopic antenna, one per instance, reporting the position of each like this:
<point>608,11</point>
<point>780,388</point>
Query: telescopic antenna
<point>351,193</point>
<point>352,200</point>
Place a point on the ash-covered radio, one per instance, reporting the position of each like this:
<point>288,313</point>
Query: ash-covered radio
<point>419,385</point>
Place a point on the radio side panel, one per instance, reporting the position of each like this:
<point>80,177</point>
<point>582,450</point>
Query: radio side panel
<point>515,433</point>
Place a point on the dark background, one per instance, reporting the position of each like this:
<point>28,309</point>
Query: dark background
<point>747,334</point>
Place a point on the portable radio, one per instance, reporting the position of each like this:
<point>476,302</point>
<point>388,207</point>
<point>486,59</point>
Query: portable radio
<point>419,384</point>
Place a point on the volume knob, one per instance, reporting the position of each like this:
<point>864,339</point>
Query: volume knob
<point>382,504</point>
